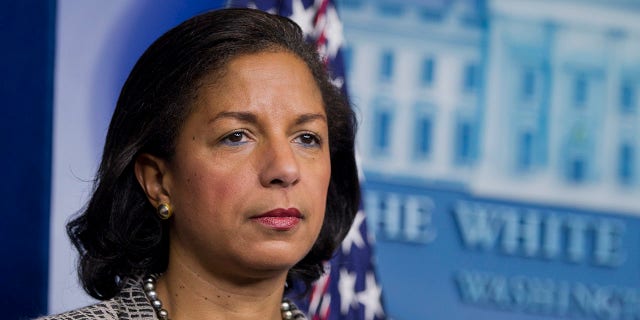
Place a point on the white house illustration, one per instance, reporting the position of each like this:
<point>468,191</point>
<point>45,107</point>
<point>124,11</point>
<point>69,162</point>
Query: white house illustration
<point>528,100</point>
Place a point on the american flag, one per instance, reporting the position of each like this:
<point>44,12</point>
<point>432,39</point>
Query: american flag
<point>349,289</point>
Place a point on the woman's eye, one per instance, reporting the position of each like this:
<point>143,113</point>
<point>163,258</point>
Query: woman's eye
<point>235,138</point>
<point>308,140</point>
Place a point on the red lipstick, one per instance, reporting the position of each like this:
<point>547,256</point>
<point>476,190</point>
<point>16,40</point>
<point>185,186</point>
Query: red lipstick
<point>279,219</point>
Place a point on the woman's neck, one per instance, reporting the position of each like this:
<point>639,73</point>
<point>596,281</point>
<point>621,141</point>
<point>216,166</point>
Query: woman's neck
<point>189,293</point>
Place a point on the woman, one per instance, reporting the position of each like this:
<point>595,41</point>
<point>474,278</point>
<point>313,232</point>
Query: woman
<point>228,173</point>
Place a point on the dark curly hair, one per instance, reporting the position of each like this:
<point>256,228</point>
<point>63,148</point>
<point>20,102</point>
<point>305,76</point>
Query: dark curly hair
<point>118,234</point>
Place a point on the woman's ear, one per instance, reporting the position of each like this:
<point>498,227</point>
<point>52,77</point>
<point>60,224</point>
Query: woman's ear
<point>151,173</point>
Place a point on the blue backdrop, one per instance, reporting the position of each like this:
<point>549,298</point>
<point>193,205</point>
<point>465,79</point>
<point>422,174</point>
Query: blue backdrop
<point>26,65</point>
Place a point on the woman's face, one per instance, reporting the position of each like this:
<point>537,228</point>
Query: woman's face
<point>249,178</point>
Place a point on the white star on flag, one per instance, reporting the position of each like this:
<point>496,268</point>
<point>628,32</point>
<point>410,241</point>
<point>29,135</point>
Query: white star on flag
<point>303,17</point>
<point>354,237</point>
<point>347,288</point>
<point>370,298</point>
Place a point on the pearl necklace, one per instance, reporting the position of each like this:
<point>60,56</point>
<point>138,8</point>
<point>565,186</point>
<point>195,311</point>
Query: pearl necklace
<point>289,310</point>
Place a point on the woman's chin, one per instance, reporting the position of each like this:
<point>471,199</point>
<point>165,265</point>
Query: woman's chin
<point>277,258</point>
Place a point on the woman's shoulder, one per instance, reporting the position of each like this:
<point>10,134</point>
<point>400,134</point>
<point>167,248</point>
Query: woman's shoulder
<point>106,310</point>
<point>130,303</point>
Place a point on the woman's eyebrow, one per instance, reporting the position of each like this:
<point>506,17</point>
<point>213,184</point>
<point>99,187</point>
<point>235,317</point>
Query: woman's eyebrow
<point>252,118</point>
<point>238,115</point>
<point>309,117</point>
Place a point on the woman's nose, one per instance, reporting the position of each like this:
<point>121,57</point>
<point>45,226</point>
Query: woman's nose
<point>280,166</point>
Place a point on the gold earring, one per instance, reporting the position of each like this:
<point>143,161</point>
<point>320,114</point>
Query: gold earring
<point>164,211</point>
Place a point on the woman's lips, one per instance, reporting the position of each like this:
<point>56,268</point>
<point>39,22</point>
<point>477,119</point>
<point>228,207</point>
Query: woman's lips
<point>279,219</point>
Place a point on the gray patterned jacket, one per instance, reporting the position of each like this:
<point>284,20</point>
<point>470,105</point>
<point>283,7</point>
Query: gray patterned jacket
<point>131,303</point>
